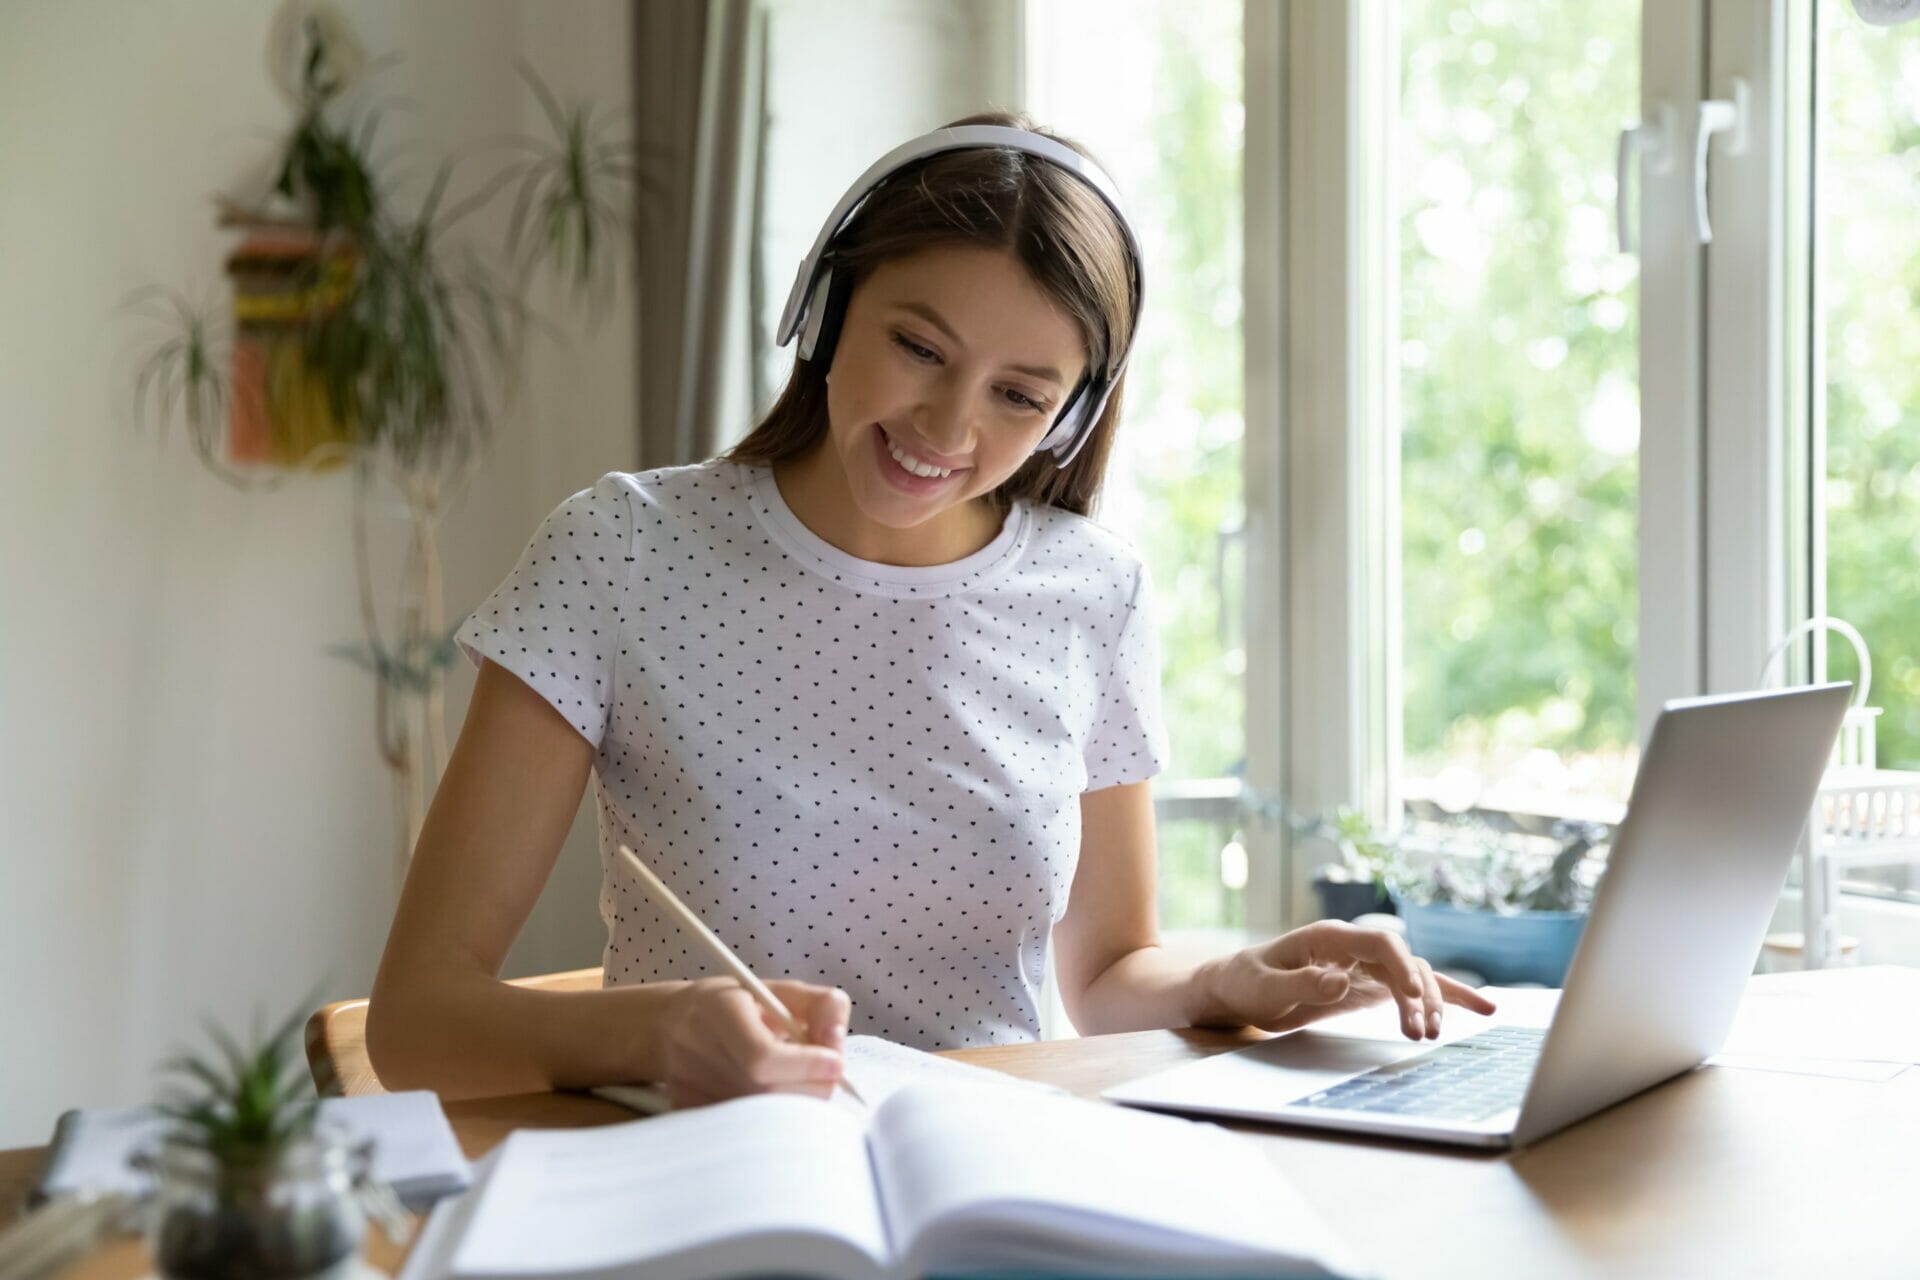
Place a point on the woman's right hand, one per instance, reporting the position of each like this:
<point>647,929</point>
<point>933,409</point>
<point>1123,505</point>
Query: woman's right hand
<point>720,1043</point>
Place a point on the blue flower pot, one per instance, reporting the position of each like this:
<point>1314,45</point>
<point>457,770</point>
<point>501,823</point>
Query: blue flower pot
<point>1529,946</point>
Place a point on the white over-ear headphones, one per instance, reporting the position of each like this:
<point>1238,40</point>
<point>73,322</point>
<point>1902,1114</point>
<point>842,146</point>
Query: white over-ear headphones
<point>817,300</point>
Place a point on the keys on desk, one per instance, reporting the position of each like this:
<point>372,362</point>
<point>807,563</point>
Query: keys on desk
<point>1471,1079</point>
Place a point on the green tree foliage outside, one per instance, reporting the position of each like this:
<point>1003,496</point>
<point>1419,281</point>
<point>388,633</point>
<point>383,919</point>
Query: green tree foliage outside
<point>1186,384</point>
<point>1868,139</point>
<point>1518,380</point>
<point>1196,490</point>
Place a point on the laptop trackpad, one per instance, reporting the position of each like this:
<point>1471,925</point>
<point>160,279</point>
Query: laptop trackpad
<point>1269,1074</point>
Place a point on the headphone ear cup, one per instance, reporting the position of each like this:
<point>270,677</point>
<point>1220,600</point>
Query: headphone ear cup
<point>1067,426</point>
<point>815,313</point>
<point>825,310</point>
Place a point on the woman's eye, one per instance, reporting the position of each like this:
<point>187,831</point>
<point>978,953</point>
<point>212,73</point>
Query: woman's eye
<point>913,348</point>
<point>1025,402</point>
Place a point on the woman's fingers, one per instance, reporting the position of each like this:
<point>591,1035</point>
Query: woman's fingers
<point>1433,1001</point>
<point>1331,962</point>
<point>823,1011</point>
<point>1398,969</point>
<point>1463,995</point>
<point>731,1045</point>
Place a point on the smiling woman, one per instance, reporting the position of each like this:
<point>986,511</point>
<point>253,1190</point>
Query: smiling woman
<point>869,694</point>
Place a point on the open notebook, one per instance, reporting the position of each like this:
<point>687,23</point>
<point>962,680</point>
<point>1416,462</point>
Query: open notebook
<point>938,1179</point>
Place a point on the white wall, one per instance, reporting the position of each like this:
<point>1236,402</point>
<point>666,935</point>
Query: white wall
<point>192,815</point>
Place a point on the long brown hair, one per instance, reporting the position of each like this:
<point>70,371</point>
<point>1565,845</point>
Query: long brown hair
<point>1056,226</point>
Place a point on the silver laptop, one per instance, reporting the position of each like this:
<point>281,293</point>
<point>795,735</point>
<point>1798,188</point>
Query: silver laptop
<point>1722,794</point>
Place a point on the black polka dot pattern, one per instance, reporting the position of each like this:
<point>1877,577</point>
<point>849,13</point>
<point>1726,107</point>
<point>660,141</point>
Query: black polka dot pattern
<point>857,774</point>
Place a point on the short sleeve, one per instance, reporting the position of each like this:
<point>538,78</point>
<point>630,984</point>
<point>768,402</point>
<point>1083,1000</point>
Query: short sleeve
<point>1129,740</point>
<point>555,621</point>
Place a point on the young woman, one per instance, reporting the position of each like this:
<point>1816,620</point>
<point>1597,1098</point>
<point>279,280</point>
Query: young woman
<point>871,693</point>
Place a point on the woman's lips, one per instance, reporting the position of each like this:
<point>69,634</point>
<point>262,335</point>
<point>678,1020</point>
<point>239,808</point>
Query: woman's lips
<point>901,478</point>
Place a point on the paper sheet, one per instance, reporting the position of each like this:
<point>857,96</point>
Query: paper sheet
<point>1790,1022</point>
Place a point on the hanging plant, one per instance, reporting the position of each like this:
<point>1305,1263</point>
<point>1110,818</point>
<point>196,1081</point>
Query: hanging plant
<point>360,332</point>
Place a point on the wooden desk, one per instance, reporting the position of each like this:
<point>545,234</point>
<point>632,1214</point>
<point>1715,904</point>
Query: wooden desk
<point>1719,1173</point>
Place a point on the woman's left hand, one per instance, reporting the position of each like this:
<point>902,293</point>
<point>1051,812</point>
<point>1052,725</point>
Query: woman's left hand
<point>1326,968</point>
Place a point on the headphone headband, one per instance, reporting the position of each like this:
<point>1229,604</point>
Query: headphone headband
<point>807,310</point>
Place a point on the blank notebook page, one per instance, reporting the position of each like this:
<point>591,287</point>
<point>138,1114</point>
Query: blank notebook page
<point>586,1200</point>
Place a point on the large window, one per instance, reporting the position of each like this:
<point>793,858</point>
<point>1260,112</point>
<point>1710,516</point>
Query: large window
<point>1536,485</point>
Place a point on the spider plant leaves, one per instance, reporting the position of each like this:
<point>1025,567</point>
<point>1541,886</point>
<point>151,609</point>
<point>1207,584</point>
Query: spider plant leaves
<point>183,377</point>
<point>570,211</point>
<point>410,336</point>
<point>242,1104</point>
<point>412,668</point>
<point>323,169</point>
<point>399,355</point>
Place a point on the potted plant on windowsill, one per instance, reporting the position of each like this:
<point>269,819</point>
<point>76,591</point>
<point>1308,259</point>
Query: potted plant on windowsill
<point>1510,915</point>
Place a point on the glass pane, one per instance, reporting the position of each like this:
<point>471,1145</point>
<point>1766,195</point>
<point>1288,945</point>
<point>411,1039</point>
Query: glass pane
<point>1154,90</point>
<point>1520,405</point>
<point>1867,255</point>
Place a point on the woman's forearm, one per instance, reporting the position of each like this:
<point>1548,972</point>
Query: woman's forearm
<point>471,1035</point>
<point>1147,989</point>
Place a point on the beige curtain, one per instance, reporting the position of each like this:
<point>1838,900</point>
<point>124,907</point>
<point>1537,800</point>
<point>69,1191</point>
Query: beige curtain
<point>698,121</point>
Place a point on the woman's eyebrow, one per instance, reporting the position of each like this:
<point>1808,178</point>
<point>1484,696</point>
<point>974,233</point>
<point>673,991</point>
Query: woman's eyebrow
<point>1043,372</point>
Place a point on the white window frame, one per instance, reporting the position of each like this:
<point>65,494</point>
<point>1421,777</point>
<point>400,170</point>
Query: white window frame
<point>1323,555</point>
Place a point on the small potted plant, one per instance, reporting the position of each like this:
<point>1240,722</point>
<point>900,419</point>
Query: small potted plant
<point>247,1182</point>
<point>1357,884</point>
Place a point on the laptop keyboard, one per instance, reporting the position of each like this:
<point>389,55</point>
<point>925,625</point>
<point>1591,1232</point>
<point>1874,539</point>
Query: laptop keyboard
<point>1473,1078</point>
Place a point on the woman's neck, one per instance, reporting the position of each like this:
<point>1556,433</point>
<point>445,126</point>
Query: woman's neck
<point>815,489</point>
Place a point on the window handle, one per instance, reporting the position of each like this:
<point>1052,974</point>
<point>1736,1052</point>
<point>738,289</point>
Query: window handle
<point>1717,115</point>
<point>1655,144</point>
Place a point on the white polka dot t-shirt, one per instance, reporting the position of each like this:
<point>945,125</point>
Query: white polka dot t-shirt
<point>857,774</point>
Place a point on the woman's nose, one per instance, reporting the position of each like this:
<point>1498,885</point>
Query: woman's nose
<point>945,421</point>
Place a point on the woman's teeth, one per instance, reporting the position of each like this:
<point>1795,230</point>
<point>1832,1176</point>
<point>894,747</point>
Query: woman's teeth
<point>913,464</point>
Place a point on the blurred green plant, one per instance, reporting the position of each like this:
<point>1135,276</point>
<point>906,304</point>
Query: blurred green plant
<point>242,1105</point>
<point>410,332</point>
<point>184,378</point>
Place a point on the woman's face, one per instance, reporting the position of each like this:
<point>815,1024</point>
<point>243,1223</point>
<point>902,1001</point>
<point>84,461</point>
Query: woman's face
<point>950,367</point>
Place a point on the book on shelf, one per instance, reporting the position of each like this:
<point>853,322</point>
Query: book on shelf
<point>938,1179</point>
